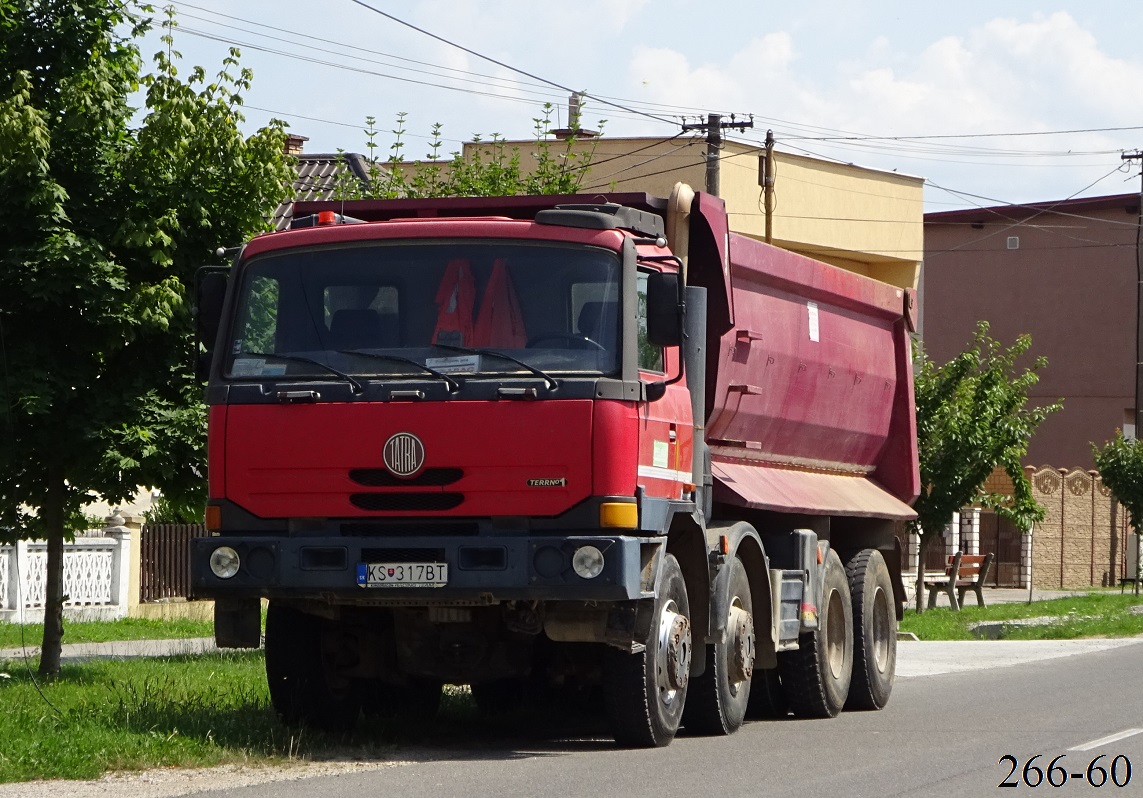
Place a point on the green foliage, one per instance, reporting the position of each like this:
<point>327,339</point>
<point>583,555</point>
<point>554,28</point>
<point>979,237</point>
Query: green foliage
<point>972,416</point>
<point>491,168</point>
<point>112,223</point>
<point>1120,466</point>
<point>106,225</point>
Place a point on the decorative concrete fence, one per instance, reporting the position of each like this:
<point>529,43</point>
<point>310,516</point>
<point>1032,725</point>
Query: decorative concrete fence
<point>103,574</point>
<point>1083,540</point>
<point>97,577</point>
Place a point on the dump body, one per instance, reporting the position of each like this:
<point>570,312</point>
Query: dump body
<point>811,403</point>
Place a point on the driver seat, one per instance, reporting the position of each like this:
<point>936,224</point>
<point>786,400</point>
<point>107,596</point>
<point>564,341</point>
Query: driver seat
<point>599,321</point>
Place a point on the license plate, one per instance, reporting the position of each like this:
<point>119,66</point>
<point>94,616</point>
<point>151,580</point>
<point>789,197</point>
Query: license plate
<point>402,574</point>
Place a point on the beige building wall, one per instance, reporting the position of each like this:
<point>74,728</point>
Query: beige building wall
<point>864,220</point>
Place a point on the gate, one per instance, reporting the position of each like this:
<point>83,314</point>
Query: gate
<point>1001,537</point>
<point>164,560</point>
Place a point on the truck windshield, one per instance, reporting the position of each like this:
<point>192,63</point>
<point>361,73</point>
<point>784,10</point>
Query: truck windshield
<point>550,308</point>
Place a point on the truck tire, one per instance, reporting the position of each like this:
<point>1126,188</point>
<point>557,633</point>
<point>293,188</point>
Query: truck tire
<point>296,674</point>
<point>816,676</point>
<point>645,692</point>
<point>874,631</point>
<point>767,697</point>
<point>717,700</point>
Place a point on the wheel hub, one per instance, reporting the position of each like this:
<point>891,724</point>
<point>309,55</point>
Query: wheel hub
<point>674,655</point>
<point>741,624</point>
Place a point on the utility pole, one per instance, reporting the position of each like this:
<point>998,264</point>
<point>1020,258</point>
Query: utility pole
<point>714,127</point>
<point>1138,156</point>
<point>766,162</point>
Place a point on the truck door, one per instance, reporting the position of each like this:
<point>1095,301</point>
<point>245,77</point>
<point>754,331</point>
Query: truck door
<point>666,430</point>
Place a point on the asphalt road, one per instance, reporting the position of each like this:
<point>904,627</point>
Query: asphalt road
<point>944,733</point>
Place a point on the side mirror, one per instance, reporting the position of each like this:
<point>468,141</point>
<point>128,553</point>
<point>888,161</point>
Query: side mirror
<point>664,311</point>
<point>210,292</point>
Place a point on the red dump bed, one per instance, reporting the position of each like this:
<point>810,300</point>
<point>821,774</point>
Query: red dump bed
<point>809,389</point>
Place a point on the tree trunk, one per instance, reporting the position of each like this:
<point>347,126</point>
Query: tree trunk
<point>53,514</point>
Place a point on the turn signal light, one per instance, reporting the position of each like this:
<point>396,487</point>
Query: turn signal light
<point>213,518</point>
<point>619,515</point>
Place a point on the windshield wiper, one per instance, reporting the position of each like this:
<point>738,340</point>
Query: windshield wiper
<point>356,386</point>
<point>453,385</point>
<point>548,379</point>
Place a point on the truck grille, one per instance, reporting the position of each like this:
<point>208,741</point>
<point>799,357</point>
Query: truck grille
<point>403,555</point>
<point>404,527</point>
<point>380,478</point>
<point>406,502</point>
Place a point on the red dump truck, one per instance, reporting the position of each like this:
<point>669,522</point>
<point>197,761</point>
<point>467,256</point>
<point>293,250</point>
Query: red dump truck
<point>533,444</point>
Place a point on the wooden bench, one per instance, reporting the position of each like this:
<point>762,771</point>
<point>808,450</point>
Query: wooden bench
<point>965,572</point>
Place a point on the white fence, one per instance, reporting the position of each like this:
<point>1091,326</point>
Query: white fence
<point>97,577</point>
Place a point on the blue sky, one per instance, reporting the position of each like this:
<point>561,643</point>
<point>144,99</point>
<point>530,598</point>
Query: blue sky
<point>857,82</point>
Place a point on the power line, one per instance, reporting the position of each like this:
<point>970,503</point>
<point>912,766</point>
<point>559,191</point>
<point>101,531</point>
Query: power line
<point>342,45</point>
<point>901,146</point>
<point>507,66</point>
<point>972,135</point>
<point>1039,212</point>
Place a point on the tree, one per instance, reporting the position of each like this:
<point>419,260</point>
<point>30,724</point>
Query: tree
<point>972,416</point>
<point>105,225</point>
<point>1120,466</point>
<point>492,169</point>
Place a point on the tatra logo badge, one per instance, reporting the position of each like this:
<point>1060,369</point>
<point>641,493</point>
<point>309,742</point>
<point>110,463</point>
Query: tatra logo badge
<point>404,454</point>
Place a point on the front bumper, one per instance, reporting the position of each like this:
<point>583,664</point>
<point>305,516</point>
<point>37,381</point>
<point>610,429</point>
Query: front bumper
<point>482,570</point>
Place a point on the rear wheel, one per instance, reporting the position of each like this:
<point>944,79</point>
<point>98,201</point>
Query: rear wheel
<point>301,689</point>
<point>816,677</point>
<point>874,631</point>
<point>717,700</point>
<point>645,692</point>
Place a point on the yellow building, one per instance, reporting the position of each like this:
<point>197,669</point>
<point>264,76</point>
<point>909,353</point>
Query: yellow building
<point>864,220</point>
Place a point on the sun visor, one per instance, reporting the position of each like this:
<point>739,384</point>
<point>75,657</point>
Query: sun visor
<point>813,493</point>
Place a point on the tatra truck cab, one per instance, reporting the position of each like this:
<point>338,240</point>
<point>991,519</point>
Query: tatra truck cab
<point>533,444</point>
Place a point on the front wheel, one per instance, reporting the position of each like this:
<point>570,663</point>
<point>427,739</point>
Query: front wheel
<point>816,677</point>
<point>645,692</point>
<point>301,687</point>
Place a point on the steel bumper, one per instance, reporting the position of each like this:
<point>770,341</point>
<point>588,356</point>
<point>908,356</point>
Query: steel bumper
<point>480,569</point>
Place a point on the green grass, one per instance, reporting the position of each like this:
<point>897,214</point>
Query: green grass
<point>1097,614</point>
<point>199,711</point>
<point>106,631</point>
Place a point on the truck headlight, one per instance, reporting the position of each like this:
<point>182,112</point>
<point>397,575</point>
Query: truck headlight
<point>224,562</point>
<point>587,562</point>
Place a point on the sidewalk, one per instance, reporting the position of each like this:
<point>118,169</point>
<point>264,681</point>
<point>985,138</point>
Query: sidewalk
<point>1001,595</point>
<point>78,652</point>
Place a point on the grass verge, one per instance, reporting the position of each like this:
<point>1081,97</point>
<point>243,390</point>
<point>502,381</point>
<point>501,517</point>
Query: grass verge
<point>107,715</point>
<point>107,631</point>
<point>1091,615</point>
